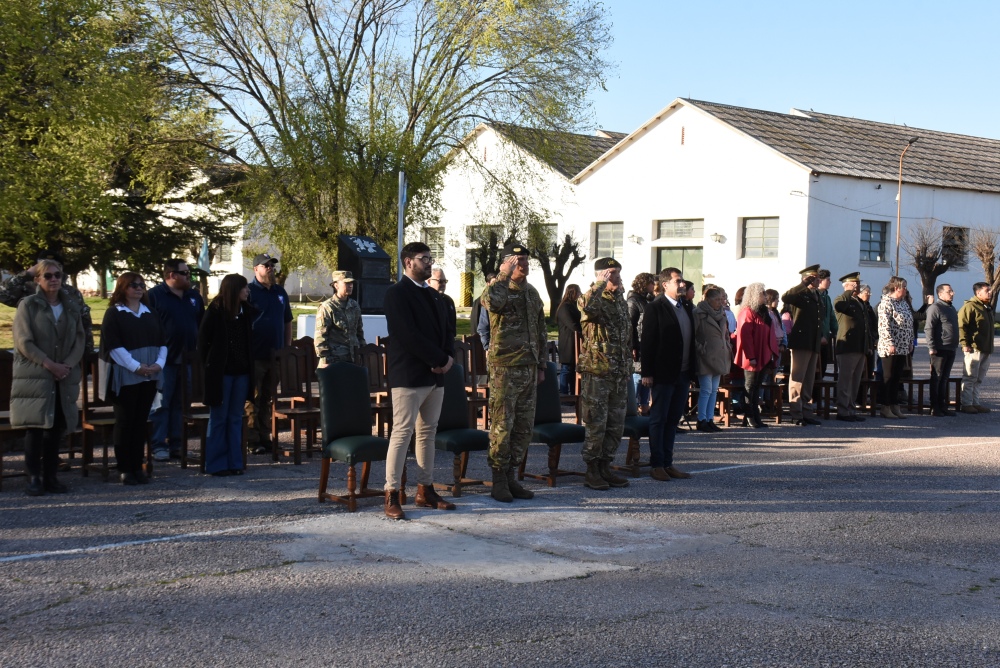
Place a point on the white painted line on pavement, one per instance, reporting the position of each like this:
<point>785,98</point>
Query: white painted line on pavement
<point>855,456</point>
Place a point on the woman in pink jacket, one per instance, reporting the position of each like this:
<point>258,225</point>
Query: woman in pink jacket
<point>756,349</point>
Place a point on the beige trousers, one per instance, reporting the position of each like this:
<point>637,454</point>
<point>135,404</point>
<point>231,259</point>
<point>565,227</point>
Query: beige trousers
<point>850,370</point>
<point>800,383</point>
<point>414,409</point>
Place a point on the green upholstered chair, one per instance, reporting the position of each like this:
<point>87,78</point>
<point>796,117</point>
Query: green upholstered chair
<point>550,429</point>
<point>453,433</point>
<point>636,427</point>
<point>346,416</point>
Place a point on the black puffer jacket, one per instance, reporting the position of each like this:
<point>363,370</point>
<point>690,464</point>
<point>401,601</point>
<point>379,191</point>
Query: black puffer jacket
<point>636,306</point>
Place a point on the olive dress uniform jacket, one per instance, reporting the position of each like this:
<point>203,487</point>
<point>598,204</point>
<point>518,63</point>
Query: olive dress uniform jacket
<point>806,311</point>
<point>852,325</point>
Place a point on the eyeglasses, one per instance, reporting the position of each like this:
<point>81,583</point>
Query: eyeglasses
<point>48,276</point>
<point>182,273</point>
<point>426,259</point>
<point>441,281</point>
<point>137,286</point>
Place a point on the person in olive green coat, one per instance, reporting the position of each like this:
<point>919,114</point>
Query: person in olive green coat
<point>853,346</point>
<point>804,342</point>
<point>975,335</point>
<point>49,346</point>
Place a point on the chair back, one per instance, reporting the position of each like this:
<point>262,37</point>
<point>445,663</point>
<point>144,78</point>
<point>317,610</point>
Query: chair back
<point>478,366</point>
<point>455,406</point>
<point>552,351</point>
<point>193,391</point>
<point>372,358</point>
<point>548,407</point>
<point>345,405</point>
<point>90,388</point>
<point>632,404</point>
<point>307,345</point>
<point>291,375</point>
<point>465,357</point>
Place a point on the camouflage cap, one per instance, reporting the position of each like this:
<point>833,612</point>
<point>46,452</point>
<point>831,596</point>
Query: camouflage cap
<point>345,276</point>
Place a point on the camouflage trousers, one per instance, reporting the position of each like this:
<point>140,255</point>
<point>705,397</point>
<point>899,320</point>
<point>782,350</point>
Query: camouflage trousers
<point>603,400</point>
<point>513,390</point>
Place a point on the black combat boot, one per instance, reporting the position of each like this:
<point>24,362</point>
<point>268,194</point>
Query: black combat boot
<point>593,478</point>
<point>501,490</point>
<point>516,490</point>
<point>610,476</point>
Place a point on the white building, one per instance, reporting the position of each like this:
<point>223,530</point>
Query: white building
<point>733,195</point>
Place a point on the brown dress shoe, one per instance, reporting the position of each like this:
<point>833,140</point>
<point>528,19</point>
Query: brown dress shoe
<point>981,409</point>
<point>392,509</point>
<point>659,473</point>
<point>674,472</point>
<point>427,497</point>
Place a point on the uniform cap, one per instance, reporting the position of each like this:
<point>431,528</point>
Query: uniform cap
<point>515,248</point>
<point>853,276</point>
<point>607,263</point>
<point>345,276</point>
<point>264,258</point>
<point>811,270</point>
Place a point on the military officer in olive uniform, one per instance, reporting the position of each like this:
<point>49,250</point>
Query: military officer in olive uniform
<point>804,342</point>
<point>339,328</point>
<point>854,344</point>
<point>517,366</point>
<point>605,367</point>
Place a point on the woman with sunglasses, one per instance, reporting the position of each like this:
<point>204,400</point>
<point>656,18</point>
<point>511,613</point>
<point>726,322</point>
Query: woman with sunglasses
<point>133,345</point>
<point>49,344</point>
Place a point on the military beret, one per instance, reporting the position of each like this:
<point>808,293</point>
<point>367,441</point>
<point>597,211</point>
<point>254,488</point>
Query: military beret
<point>853,276</point>
<point>811,270</point>
<point>607,263</point>
<point>515,248</point>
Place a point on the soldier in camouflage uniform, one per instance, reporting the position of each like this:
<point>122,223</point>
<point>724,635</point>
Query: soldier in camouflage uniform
<point>517,366</point>
<point>605,367</point>
<point>339,328</point>
<point>21,285</point>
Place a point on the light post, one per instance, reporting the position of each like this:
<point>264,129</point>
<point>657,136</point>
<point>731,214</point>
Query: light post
<point>899,199</point>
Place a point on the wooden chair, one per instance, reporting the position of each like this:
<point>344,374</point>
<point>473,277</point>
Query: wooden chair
<point>573,400</point>
<point>477,368</point>
<point>307,345</point>
<point>551,430</point>
<point>194,411</point>
<point>347,431</point>
<point>372,358</point>
<point>293,401</point>
<point>636,428</point>
<point>7,432</point>
<point>455,432</point>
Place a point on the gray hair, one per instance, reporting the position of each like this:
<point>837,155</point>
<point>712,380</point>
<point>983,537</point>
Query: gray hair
<point>864,287</point>
<point>754,297</point>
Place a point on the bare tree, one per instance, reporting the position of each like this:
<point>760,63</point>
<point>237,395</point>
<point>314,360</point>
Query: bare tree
<point>984,246</point>
<point>929,251</point>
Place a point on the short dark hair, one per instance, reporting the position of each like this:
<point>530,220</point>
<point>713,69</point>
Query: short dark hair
<point>772,295</point>
<point>713,292</point>
<point>667,273</point>
<point>941,288</point>
<point>413,249</point>
<point>895,282</point>
<point>640,282</point>
<point>823,273</point>
<point>172,265</point>
<point>976,287</point>
<point>490,275</point>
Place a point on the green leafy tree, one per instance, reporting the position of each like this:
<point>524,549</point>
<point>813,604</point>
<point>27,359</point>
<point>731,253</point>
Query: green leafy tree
<point>335,97</point>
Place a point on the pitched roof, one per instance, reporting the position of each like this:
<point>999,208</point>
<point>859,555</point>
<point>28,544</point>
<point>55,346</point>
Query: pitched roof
<point>830,144</point>
<point>566,152</point>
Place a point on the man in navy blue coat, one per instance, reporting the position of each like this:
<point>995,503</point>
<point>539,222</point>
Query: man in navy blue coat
<point>421,351</point>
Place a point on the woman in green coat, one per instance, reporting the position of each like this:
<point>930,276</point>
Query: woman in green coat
<point>49,345</point>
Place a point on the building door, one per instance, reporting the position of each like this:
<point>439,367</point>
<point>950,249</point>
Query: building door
<point>688,260</point>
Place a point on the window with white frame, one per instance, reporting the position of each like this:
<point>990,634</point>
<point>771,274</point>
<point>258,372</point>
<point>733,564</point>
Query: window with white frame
<point>680,229</point>
<point>225,252</point>
<point>475,234</point>
<point>434,238</point>
<point>760,237</point>
<point>608,239</point>
<point>873,240</point>
<point>955,246</point>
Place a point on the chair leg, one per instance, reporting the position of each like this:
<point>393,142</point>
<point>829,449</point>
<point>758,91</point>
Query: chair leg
<point>297,441</point>
<point>402,487</point>
<point>458,472</point>
<point>520,469</point>
<point>184,442</point>
<point>554,453</point>
<point>632,458</point>
<point>324,477</point>
<point>352,498</point>
<point>366,469</point>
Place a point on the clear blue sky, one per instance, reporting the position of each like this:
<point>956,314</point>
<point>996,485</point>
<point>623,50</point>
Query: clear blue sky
<point>930,65</point>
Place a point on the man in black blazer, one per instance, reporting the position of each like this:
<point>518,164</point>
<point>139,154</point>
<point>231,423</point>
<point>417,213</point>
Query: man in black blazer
<point>667,363</point>
<point>421,351</point>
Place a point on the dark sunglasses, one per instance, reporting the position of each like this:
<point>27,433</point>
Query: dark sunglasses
<point>137,286</point>
<point>183,273</point>
<point>48,276</point>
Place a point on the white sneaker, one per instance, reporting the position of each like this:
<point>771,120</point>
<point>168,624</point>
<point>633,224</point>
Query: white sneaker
<point>161,455</point>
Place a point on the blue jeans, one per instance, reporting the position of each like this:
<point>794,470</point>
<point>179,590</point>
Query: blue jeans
<point>167,418</point>
<point>223,447</point>
<point>708,387</point>
<point>641,391</point>
<point>566,376</point>
<point>669,402</point>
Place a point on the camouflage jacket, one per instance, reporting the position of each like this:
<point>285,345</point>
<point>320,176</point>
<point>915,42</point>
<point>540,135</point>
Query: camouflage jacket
<point>517,324</point>
<point>606,348</point>
<point>16,288</point>
<point>339,330</point>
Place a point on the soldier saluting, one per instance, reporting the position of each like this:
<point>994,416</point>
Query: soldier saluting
<point>605,367</point>
<point>517,366</point>
<point>804,342</point>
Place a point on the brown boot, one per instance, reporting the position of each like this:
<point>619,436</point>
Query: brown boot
<point>516,490</point>
<point>427,497</point>
<point>500,490</point>
<point>392,508</point>
<point>593,478</point>
<point>897,412</point>
<point>610,476</point>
